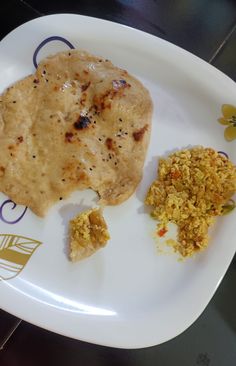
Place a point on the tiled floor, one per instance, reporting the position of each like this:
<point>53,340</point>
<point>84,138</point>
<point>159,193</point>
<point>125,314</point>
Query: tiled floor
<point>208,29</point>
<point>198,26</point>
<point>14,13</point>
<point>8,325</point>
<point>226,58</point>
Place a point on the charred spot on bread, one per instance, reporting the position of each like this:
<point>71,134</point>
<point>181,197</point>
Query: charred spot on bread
<point>109,143</point>
<point>138,135</point>
<point>69,136</point>
<point>82,123</point>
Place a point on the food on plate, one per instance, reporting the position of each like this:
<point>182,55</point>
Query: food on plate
<point>88,233</point>
<point>79,122</point>
<point>192,188</point>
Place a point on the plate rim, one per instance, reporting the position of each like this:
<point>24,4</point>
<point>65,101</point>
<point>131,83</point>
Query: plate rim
<point>39,307</point>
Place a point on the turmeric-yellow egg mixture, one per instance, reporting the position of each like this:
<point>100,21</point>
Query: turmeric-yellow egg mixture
<point>192,188</point>
<point>88,233</point>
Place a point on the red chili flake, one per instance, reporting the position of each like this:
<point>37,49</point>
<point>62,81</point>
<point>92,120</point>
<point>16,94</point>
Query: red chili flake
<point>175,175</point>
<point>36,81</point>
<point>20,139</point>
<point>162,232</point>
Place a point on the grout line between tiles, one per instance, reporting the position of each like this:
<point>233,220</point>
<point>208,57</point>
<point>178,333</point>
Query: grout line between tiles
<point>9,334</point>
<point>215,54</point>
<point>31,7</point>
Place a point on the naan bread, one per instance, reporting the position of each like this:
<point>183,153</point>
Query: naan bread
<point>79,122</point>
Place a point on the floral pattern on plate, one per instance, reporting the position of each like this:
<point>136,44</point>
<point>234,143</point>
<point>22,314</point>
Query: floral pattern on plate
<point>229,120</point>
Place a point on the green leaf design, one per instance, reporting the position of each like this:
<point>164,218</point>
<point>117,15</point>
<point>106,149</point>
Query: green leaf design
<point>229,207</point>
<point>15,251</point>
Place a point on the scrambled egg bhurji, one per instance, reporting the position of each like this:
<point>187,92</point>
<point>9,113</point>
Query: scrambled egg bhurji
<point>192,188</point>
<point>88,233</point>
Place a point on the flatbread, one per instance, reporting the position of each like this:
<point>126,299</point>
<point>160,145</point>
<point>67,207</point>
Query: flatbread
<point>79,122</point>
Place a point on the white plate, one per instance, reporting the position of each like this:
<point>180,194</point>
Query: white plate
<point>126,295</point>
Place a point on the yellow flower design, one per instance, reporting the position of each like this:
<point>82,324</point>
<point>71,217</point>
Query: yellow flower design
<point>229,120</point>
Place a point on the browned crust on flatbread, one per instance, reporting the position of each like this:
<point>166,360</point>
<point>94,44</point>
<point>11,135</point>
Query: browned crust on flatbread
<point>79,122</point>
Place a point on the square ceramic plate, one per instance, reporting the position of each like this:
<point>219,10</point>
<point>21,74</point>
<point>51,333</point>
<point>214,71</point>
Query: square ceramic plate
<point>126,295</point>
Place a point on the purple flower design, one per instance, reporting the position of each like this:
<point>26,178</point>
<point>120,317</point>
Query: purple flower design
<point>223,153</point>
<point>13,206</point>
<point>47,40</point>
